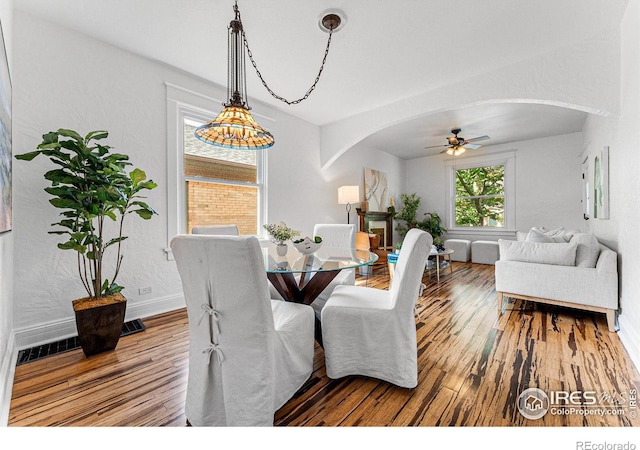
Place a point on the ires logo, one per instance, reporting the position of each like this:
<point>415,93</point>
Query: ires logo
<point>534,403</point>
<point>566,398</point>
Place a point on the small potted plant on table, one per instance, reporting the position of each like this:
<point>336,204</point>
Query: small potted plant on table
<point>91,185</point>
<point>280,233</point>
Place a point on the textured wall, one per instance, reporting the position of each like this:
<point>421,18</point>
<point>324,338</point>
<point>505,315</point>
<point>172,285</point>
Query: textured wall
<point>622,135</point>
<point>7,353</point>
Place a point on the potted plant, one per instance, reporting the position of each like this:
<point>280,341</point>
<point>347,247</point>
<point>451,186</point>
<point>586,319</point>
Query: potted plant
<point>433,225</point>
<point>280,233</point>
<point>91,185</point>
<point>408,213</point>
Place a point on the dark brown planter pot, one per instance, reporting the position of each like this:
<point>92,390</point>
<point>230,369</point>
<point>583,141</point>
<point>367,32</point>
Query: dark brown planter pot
<point>99,322</point>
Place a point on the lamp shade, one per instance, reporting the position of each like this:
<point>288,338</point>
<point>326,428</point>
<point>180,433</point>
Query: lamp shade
<point>348,194</point>
<point>235,128</point>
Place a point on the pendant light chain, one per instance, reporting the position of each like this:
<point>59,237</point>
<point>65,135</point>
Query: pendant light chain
<point>264,83</point>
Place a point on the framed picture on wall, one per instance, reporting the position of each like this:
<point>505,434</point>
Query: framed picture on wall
<point>601,184</point>
<point>375,190</point>
<point>586,190</point>
<point>5,139</point>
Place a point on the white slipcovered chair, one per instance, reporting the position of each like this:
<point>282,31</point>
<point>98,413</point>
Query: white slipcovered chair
<point>372,332</point>
<point>220,230</point>
<point>335,236</point>
<point>248,354</point>
<point>231,230</point>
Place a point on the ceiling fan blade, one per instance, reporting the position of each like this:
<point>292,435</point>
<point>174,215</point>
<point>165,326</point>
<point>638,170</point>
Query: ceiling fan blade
<point>479,138</point>
<point>472,146</point>
<point>437,146</point>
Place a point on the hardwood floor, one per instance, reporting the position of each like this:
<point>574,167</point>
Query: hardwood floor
<point>472,367</point>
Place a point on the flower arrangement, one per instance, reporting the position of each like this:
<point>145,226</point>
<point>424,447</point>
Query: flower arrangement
<point>280,232</point>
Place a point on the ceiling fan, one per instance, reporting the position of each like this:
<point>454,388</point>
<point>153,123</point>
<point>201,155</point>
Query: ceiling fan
<point>457,145</point>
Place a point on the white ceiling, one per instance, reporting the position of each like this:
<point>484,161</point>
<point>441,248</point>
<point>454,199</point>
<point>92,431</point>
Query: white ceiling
<point>388,50</point>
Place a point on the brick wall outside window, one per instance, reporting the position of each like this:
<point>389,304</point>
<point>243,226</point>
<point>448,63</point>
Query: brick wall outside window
<point>222,204</point>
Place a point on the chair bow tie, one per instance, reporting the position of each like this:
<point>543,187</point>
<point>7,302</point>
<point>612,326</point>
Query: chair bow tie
<point>214,348</point>
<point>213,313</point>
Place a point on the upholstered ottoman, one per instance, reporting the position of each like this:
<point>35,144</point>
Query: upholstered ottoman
<point>461,249</point>
<point>485,252</point>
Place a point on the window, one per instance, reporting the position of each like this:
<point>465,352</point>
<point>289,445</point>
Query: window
<point>207,185</point>
<point>222,185</point>
<point>482,192</point>
<point>480,197</point>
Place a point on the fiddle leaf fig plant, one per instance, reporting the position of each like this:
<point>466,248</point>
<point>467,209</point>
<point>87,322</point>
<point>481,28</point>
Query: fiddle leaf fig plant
<point>90,185</point>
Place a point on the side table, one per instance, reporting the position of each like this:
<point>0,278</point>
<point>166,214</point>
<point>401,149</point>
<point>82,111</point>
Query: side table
<point>444,255</point>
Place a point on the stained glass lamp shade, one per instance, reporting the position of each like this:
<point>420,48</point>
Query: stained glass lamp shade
<point>235,128</point>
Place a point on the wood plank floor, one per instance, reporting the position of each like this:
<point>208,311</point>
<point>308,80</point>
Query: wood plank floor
<point>472,366</point>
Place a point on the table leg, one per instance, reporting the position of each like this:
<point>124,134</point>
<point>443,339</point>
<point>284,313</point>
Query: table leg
<point>318,331</point>
<point>438,267</point>
<point>286,284</point>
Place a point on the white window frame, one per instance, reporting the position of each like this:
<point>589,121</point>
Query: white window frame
<point>506,159</point>
<point>186,104</point>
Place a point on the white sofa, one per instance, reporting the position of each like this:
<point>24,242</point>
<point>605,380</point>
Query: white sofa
<point>575,272</point>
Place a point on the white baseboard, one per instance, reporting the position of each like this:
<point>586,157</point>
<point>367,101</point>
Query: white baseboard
<point>62,329</point>
<point>630,340</point>
<point>140,310</point>
<point>7,372</point>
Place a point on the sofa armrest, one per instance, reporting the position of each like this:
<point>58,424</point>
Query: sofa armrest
<point>607,261</point>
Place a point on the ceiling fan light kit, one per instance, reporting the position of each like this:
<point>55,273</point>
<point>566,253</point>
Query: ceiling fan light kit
<point>457,145</point>
<point>456,150</point>
<point>235,128</point>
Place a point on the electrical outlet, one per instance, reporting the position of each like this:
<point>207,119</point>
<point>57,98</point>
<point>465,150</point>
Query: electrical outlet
<point>144,290</point>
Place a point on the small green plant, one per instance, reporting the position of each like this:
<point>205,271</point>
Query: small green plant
<point>91,185</point>
<point>280,232</point>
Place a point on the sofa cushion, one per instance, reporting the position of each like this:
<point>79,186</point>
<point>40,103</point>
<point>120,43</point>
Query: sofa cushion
<point>543,235</point>
<point>588,249</point>
<point>535,235</point>
<point>560,254</point>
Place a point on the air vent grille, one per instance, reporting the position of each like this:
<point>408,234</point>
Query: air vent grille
<point>65,345</point>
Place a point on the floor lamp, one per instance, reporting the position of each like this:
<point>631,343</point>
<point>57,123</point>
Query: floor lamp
<point>348,195</point>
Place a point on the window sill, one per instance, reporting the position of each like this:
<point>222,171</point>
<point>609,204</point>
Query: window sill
<point>481,233</point>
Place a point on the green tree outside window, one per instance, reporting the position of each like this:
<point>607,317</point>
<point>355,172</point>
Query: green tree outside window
<point>480,197</point>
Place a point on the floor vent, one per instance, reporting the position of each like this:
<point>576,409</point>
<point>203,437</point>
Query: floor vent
<point>65,345</point>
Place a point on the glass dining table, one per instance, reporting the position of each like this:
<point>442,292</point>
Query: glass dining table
<point>301,277</point>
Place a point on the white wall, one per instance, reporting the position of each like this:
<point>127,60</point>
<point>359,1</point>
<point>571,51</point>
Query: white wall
<point>548,186</point>
<point>91,85</point>
<point>362,156</point>
<point>7,347</point>
<point>622,135</point>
